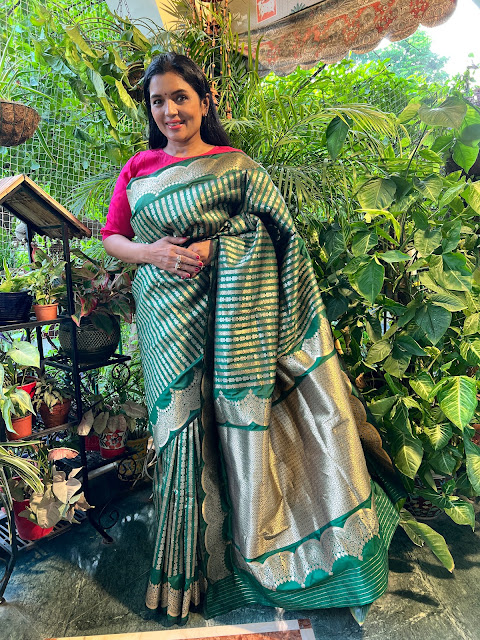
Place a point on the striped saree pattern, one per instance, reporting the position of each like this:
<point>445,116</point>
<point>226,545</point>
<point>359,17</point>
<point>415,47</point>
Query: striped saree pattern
<point>262,492</point>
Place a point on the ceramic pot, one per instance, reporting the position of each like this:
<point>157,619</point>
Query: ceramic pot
<point>112,443</point>
<point>26,529</point>
<point>45,311</point>
<point>18,123</point>
<point>22,426</point>
<point>55,416</point>
<point>29,387</point>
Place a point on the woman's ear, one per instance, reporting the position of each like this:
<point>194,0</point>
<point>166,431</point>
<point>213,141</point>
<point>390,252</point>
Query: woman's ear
<point>205,105</point>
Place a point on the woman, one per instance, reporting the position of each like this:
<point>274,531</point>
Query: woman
<point>262,491</point>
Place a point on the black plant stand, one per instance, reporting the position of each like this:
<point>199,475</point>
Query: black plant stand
<point>43,215</point>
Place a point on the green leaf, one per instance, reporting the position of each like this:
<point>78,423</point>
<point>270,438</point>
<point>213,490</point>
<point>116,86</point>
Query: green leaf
<point>368,279</point>
<point>452,303</point>
<point>472,452</point>
<point>443,462</point>
<point>462,512</point>
<point>430,187</point>
<point>470,351</point>
<point>422,385</point>
<point>364,241</point>
<point>408,344</point>
<point>420,533</point>
<point>471,135</point>
<point>451,193</point>
<point>378,352</point>
<point>439,435</point>
<point>380,408</point>
<point>378,193</point>
<point>74,34</point>
<point>409,112</point>
<point>24,354</point>
<point>336,134</point>
<point>464,156</point>
<point>433,320</point>
<point>397,363</point>
<point>129,104</point>
<point>431,156</point>
<point>449,114</point>
<point>471,324</point>
<point>472,196</point>
<point>393,256</point>
<point>408,453</point>
<point>374,328</point>
<point>456,274</point>
<point>458,400</point>
<point>427,240</point>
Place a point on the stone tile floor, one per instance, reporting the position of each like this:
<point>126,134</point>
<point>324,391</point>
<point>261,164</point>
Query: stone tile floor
<point>77,585</point>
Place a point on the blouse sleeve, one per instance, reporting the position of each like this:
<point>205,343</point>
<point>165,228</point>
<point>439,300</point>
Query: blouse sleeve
<point>119,213</point>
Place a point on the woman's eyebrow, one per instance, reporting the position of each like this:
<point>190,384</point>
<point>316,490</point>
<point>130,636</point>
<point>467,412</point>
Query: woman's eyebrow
<point>157,95</point>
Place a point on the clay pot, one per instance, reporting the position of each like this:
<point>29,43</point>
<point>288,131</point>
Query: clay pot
<point>26,529</point>
<point>18,123</point>
<point>55,416</point>
<point>45,311</point>
<point>22,426</point>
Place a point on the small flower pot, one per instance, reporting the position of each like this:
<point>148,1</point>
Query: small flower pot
<point>22,426</point>
<point>26,529</point>
<point>92,442</point>
<point>55,416</point>
<point>112,443</point>
<point>45,311</point>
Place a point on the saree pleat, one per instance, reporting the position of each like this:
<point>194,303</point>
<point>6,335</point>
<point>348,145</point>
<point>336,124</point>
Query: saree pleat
<point>262,493</point>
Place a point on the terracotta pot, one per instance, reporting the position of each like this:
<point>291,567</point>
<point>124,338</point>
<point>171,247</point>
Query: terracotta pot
<point>26,529</point>
<point>22,426</point>
<point>92,443</point>
<point>45,311</point>
<point>55,416</point>
<point>112,444</point>
<point>18,123</point>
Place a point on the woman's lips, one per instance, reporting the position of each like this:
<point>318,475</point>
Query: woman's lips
<point>174,125</point>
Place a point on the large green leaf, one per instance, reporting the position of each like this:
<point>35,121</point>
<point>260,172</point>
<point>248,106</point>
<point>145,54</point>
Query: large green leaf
<point>393,256</point>
<point>438,435</point>
<point>74,34</point>
<point>472,196</point>
<point>364,241</point>
<point>451,193</point>
<point>450,302</point>
<point>470,350</point>
<point>378,193</point>
<point>427,240</point>
<point>420,533</point>
<point>472,452</point>
<point>464,155</point>
<point>407,343</point>
<point>381,407</point>
<point>462,512</point>
<point>24,354</point>
<point>430,187</point>
<point>397,363</point>
<point>458,400</point>
<point>336,133</point>
<point>367,280</point>
<point>408,453</point>
<point>471,324</point>
<point>442,462</point>
<point>451,272</point>
<point>471,135</point>
<point>433,320</point>
<point>449,114</point>
<point>409,112</point>
<point>422,385</point>
<point>378,352</point>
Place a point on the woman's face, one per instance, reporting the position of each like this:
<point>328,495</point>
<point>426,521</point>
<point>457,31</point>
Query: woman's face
<point>177,108</point>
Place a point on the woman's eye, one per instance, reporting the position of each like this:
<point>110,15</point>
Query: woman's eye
<point>181,98</point>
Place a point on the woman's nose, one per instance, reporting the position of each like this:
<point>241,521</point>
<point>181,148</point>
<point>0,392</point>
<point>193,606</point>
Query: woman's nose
<point>170,108</point>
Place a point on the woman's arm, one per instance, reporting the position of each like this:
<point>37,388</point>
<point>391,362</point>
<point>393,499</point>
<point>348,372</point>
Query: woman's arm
<point>163,254</point>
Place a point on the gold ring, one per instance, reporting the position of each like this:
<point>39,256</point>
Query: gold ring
<point>178,262</point>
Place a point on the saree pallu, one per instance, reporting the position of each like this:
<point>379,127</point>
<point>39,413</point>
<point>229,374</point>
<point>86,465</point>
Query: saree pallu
<point>262,492</point>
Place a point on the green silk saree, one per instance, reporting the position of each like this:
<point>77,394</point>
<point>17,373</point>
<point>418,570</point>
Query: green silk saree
<point>261,491</point>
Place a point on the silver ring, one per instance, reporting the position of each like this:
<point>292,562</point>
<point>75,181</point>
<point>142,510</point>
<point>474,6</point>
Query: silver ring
<point>178,262</point>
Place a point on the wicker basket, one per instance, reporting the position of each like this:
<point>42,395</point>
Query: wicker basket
<point>15,306</point>
<point>18,123</point>
<point>93,345</point>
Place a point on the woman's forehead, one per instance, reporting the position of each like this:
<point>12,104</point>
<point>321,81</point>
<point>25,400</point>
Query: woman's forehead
<point>168,83</point>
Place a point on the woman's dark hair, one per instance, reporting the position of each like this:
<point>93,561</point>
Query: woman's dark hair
<point>211,130</point>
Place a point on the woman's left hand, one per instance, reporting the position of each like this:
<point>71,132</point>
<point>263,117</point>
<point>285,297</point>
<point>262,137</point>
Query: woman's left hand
<point>204,249</point>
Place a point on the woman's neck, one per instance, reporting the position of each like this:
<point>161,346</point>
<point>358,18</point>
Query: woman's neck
<point>187,150</point>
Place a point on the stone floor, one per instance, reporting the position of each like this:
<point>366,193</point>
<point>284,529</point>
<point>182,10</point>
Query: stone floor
<point>77,585</point>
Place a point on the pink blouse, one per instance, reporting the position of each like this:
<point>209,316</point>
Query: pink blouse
<point>141,164</point>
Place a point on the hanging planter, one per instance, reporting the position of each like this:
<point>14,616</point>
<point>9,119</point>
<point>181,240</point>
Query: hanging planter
<point>94,344</point>
<point>18,123</point>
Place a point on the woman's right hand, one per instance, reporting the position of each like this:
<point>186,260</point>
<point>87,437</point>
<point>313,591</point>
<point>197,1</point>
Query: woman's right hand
<point>165,252</point>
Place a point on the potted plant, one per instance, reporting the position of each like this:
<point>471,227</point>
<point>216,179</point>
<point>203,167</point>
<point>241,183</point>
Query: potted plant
<point>111,422</point>
<point>18,121</point>
<point>15,299</point>
<point>15,396</point>
<point>102,296</point>
<point>38,511</point>
<point>46,285</point>
<point>52,400</point>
